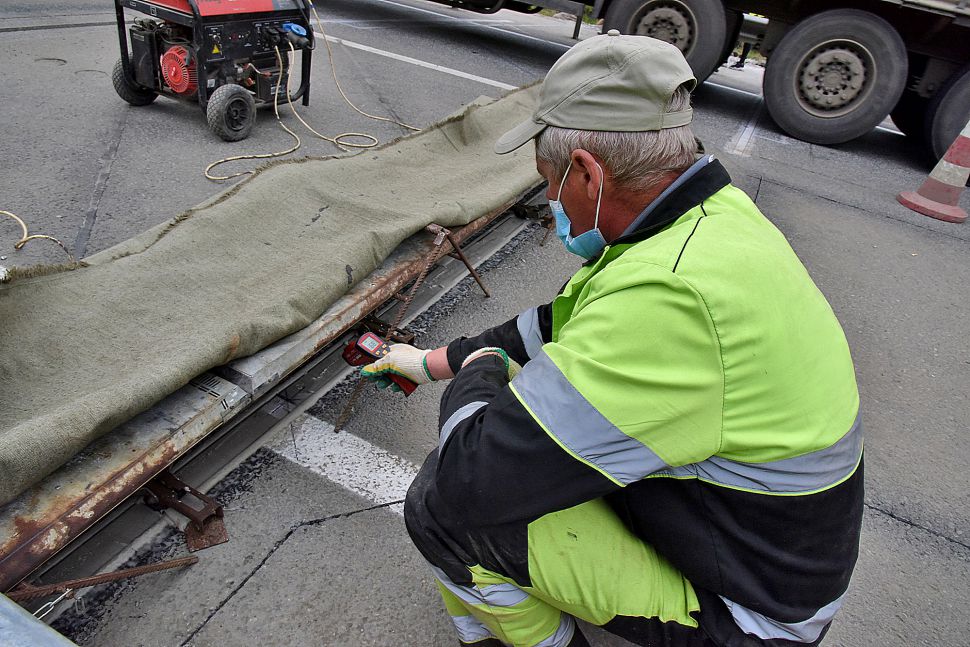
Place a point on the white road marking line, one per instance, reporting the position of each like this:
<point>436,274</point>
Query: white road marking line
<point>345,459</point>
<point>738,90</point>
<point>365,24</point>
<point>419,63</point>
<point>745,136</point>
<point>504,31</point>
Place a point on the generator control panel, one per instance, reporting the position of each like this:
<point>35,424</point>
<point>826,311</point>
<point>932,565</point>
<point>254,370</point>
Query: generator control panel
<point>232,40</point>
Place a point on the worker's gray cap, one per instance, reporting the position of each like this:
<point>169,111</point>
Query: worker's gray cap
<point>609,82</point>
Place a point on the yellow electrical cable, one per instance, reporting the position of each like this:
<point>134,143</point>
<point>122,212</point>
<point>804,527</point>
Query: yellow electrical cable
<point>24,239</point>
<point>336,140</point>
<point>276,111</point>
<point>340,141</point>
<point>333,71</point>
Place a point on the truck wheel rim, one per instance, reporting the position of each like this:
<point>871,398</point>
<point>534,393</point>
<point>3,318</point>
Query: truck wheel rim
<point>834,78</point>
<point>668,21</point>
<point>237,114</point>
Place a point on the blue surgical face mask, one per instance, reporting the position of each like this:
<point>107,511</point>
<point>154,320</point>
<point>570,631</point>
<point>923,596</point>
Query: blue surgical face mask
<point>587,244</point>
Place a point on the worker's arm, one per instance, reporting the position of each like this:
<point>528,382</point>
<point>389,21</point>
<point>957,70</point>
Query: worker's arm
<point>521,338</point>
<point>613,400</point>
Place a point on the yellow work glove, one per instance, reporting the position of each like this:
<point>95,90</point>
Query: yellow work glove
<point>405,360</point>
<point>511,366</point>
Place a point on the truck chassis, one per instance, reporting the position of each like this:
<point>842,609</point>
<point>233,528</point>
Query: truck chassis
<point>835,70</point>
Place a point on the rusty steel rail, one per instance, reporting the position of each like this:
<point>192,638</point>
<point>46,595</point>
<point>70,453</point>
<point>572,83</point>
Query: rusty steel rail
<point>48,517</point>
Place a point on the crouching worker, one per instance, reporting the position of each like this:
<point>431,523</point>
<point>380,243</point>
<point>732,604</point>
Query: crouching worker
<point>679,459</point>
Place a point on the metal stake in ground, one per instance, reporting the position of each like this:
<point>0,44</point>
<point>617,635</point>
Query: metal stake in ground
<point>26,591</point>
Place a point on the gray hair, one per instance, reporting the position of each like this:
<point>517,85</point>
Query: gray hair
<point>637,160</point>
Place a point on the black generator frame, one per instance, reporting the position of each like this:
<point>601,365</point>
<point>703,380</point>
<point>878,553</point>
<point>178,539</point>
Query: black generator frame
<point>197,22</point>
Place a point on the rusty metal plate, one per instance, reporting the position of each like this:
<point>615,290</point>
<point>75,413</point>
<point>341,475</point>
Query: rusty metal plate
<point>213,533</point>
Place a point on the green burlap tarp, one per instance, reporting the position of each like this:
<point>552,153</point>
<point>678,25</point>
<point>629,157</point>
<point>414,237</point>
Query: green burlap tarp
<point>85,350</point>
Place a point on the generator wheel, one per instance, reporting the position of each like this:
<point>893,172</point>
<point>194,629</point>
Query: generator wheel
<point>131,92</point>
<point>231,112</point>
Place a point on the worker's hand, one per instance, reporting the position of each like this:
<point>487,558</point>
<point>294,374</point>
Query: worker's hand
<point>404,360</point>
<point>511,366</point>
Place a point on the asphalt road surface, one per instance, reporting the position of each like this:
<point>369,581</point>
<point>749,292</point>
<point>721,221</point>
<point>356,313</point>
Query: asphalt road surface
<point>318,552</point>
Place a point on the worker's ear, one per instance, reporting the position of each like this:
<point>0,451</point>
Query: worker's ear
<point>589,170</point>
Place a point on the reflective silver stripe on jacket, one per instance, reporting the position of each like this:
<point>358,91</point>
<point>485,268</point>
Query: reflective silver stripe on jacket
<point>563,634</point>
<point>493,595</point>
<point>576,423</point>
<point>806,473</point>
<point>464,412</point>
<point>528,325</point>
<point>470,629</point>
<point>764,627</point>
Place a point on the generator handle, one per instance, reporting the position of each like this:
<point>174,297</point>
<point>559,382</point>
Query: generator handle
<point>198,36</point>
<point>304,90</point>
<point>123,42</point>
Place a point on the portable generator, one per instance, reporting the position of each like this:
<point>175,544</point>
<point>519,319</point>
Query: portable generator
<point>220,53</point>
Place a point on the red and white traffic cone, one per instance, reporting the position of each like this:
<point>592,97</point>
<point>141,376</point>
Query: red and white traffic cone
<point>939,197</point>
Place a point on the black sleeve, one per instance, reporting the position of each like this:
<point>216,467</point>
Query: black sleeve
<point>506,336</point>
<point>495,462</point>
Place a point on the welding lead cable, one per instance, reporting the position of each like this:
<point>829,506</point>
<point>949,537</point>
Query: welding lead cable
<point>338,140</point>
<point>276,111</point>
<point>25,238</point>
<point>333,71</point>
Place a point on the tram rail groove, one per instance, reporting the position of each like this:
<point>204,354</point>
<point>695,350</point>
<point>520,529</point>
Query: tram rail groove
<point>75,533</point>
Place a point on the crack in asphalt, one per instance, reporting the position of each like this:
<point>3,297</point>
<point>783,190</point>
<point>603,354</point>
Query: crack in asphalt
<point>913,524</point>
<point>757,192</point>
<point>279,543</point>
<point>365,81</point>
<point>100,183</point>
<point>343,515</point>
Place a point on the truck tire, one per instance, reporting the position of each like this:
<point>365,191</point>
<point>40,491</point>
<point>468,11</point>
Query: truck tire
<point>948,113</point>
<point>733,21</point>
<point>835,76</point>
<point>231,112</point>
<point>909,115</point>
<point>697,27</point>
<point>131,92</point>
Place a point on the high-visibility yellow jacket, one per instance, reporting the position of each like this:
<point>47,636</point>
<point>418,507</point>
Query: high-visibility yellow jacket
<point>695,377</point>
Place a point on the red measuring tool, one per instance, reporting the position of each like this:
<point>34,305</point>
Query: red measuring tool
<point>369,347</point>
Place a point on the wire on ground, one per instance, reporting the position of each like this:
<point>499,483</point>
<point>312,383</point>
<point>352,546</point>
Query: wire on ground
<point>25,238</point>
<point>340,141</point>
<point>333,70</point>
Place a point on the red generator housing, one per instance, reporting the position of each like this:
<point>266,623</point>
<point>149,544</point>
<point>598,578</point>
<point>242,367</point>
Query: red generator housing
<point>219,53</point>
